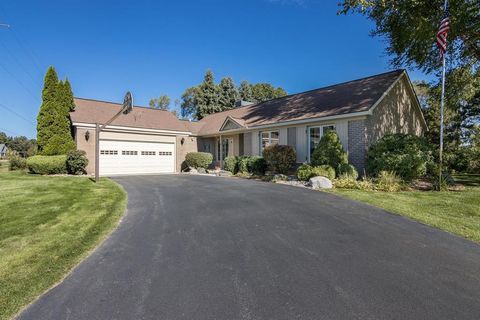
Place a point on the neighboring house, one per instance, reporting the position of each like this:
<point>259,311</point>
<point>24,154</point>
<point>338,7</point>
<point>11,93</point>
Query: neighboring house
<point>3,150</point>
<point>154,141</point>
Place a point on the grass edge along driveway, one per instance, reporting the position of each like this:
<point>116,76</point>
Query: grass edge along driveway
<point>47,226</point>
<point>457,212</point>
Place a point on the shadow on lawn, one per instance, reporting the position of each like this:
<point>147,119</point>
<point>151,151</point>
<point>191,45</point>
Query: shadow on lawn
<point>468,180</point>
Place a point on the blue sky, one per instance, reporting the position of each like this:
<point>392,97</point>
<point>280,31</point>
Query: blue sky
<point>162,47</point>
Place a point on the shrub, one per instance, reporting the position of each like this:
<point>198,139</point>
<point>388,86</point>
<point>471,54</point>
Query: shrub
<point>389,182</point>
<point>324,171</point>
<point>47,164</point>
<point>198,159</point>
<point>77,162</point>
<point>16,162</point>
<point>347,170</point>
<point>304,172</point>
<point>345,182</point>
<point>329,151</point>
<point>252,164</point>
<point>406,154</point>
<point>279,158</point>
<point>231,164</point>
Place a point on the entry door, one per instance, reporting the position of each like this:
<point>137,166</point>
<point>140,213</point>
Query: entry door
<point>132,157</point>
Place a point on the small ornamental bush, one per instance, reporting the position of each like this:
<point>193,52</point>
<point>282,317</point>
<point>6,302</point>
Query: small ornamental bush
<point>16,162</point>
<point>304,172</point>
<point>345,182</point>
<point>279,158</point>
<point>231,164</point>
<point>77,162</point>
<point>47,164</point>
<point>407,155</point>
<point>347,170</point>
<point>252,164</point>
<point>389,182</point>
<point>329,151</point>
<point>324,171</point>
<point>198,159</point>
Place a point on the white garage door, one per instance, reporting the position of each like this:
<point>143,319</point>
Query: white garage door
<point>132,157</point>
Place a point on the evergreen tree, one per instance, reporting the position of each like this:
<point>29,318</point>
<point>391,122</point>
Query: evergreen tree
<point>228,94</point>
<point>245,91</point>
<point>46,114</point>
<point>265,91</point>
<point>188,103</point>
<point>61,140</point>
<point>207,97</point>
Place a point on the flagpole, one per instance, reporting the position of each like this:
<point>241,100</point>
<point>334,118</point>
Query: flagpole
<point>442,103</point>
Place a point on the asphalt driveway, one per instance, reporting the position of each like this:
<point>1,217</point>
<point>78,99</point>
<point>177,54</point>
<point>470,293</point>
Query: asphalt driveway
<point>199,247</point>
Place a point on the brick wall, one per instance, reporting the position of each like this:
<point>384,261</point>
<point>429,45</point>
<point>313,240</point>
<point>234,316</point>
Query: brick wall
<point>87,146</point>
<point>190,144</point>
<point>357,144</point>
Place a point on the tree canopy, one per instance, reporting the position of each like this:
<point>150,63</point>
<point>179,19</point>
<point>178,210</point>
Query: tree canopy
<point>207,98</point>
<point>20,144</point>
<point>162,103</point>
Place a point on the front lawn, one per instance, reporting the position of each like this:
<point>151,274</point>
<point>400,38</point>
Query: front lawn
<point>457,212</point>
<point>47,225</point>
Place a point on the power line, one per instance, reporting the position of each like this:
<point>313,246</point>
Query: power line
<point>11,132</point>
<point>19,63</point>
<point>20,83</point>
<point>15,113</point>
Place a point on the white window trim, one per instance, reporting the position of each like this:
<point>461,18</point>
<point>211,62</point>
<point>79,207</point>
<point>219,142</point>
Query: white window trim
<point>321,135</point>
<point>269,138</point>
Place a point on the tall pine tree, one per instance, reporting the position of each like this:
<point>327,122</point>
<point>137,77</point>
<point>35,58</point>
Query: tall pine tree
<point>53,121</point>
<point>46,115</point>
<point>228,94</point>
<point>245,91</point>
<point>207,97</point>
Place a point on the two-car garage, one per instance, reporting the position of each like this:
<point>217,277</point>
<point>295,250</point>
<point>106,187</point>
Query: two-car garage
<point>136,157</point>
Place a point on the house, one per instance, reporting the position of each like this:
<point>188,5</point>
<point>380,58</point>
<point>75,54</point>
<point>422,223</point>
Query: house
<point>154,141</point>
<point>3,150</point>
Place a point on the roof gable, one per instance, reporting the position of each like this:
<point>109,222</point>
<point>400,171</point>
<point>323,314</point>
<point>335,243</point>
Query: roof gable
<point>231,123</point>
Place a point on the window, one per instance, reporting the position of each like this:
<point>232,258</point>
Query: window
<point>269,138</point>
<point>315,134</point>
<point>109,152</point>
<point>148,153</point>
<point>129,153</point>
<point>207,147</point>
<point>164,153</point>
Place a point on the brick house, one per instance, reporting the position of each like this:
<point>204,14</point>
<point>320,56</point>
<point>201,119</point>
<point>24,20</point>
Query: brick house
<point>154,141</point>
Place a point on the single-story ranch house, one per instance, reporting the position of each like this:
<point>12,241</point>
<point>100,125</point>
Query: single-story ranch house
<point>154,141</point>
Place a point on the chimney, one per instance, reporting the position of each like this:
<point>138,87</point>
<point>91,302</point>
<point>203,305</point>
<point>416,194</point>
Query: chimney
<point>242,103</point>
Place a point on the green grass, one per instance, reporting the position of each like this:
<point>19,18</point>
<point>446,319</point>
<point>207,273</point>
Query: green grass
<point>457,212</point>
<point>47,225</point>
<point>3,166</point>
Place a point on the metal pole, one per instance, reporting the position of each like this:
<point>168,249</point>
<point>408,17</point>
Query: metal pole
<point>221,153</point>
<point>442,103</point>
<point>97,151</point>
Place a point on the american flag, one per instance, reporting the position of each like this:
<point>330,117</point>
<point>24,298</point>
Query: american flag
<point>442,34</point>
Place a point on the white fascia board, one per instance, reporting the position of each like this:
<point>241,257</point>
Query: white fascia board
<point>130,129</point>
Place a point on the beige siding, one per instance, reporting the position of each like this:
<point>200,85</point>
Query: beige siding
<point>247,143</point>
<point>341,127</point>
<point>398,112</point>
<point>283,135</point>
<point>301,144</point>
<point>255,143</point>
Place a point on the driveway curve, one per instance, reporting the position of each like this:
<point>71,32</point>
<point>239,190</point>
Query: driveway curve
<point>200,247</point>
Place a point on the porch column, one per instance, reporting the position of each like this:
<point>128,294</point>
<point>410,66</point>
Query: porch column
<point>221,152</point>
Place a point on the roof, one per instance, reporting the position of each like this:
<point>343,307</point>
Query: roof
<point>93,111</point>
<point>340,99</point>
<point>3,147</point>
<point>336,100</point>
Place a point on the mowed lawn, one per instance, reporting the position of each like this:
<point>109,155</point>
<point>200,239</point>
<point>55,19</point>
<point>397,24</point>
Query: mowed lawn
<point>47,225</point>
<point>457,212</point>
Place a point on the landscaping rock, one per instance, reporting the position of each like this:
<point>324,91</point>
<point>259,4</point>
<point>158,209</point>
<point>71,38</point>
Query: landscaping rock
<point>224,173</point>
<point>279,177</point>
<point>320,183</point>
<point>192,171</point>
<point>202,170</point>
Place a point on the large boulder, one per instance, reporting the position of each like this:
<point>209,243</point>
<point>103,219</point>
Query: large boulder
<point>320,183</point>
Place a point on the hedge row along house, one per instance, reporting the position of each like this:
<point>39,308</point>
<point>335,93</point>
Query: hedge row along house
<point>154,141</point>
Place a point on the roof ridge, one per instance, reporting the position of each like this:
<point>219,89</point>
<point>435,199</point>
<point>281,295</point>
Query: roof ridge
<point>117,103</point>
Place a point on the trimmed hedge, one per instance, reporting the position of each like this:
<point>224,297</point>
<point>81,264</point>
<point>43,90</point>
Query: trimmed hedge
<point>304,172</point>
<point>231,164</point>
<point>77,162</point>
<point>280,158</point>
<point>16,162</point>
<point>198,159</point>
<point>47,164</point>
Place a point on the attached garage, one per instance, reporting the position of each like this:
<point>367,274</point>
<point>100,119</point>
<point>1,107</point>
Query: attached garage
<point>136,157</point>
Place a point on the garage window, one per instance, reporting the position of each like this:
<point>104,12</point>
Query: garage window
<point>148,153</point>
<point>109,152</point>
<point>129,153</point>
<point>164,153</point>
